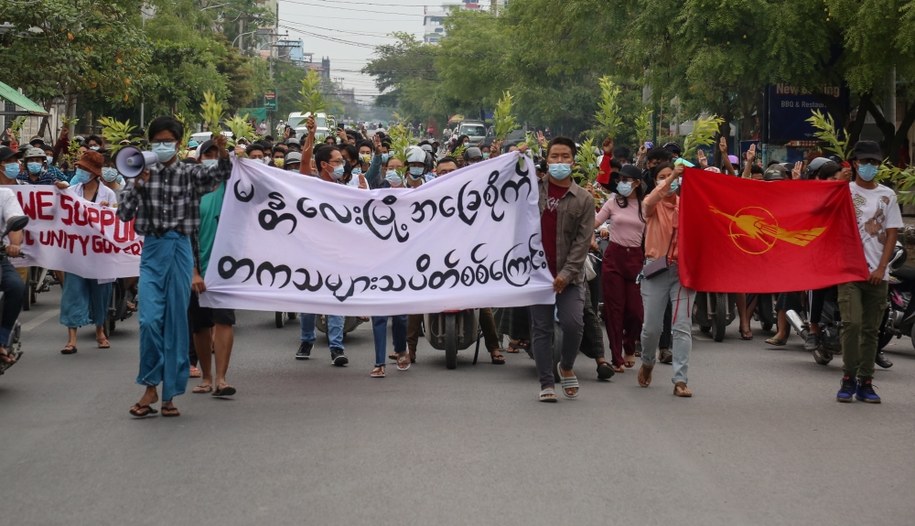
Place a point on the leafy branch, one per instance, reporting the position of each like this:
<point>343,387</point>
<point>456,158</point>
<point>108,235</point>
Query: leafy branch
<point>115,131</point>
<point>212,111</point>
<point>608,110</point>
<point>703,134</point>
<point>240,127</point>
<point>643,124</point>
<point>505,122</point>
<point>16,126</point>
<point>836,140</point>
<point>401,139</point>
<point>312,99</point>
<point>586,167</point>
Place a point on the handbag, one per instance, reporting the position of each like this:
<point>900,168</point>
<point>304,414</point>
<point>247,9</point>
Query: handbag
<point>662,264</point>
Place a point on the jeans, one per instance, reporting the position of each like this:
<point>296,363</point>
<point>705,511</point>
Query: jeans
<point>334,330</point>
<point>569,307</point>
<point>13,292</point>
<point>861,306</point>
<point>380,333</point>
<point>657,293</point>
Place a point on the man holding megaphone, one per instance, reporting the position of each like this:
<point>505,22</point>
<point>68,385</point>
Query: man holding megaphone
<point>164,197</point>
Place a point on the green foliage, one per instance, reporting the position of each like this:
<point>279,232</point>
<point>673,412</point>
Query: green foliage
<point>505,122</point>
<point>211,111</point>
<point>533,145</point>
<point>643,125</point>
<point>188,132</point>
<point>703,134</point>
<point>903,180</point>
<point>16,125</point>
<point>836,140</point>
<point>608,110</point>
<point>312,100</point>
<point>586,167</point>
<point>401,139</point>
<point>240,127</point>
<point>114,131</point>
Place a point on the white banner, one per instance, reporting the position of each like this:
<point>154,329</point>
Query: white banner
<point>288,242</point>
<point>66,232</point>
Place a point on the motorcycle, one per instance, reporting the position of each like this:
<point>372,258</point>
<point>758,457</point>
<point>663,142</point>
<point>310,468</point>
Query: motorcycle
<point>899,318</point>
<point>714,312</point>
<point>451,331</point>
<point>118,309</point>
<point>280,318</point>
<point>14,345</point>
<point>38,280</point>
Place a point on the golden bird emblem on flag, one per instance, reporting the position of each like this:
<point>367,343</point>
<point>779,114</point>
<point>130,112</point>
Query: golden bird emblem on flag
<point>755,230</point>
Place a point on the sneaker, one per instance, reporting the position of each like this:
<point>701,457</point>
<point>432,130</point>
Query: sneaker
<point>865,391</point>
<point>665,356</point>
<point>304,351</point>
<point>882,360</point>
<point>847,391</point>
<point>812,342</point>
<point>822,355</point>
<point>338,358</point>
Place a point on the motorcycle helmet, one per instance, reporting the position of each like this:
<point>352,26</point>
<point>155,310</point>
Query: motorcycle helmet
<point>821,168</point>
<point>673,148</point>
<point>776,172</point>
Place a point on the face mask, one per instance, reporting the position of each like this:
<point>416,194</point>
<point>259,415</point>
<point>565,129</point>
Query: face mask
<point>278,163</point>
<point>356,172</point>
<point>674,186</point>
<point>867,172</point>
<point>209,163</point>
<point>338,172</point>
<point>624,189</point>
<point>121,180</point>
<point>430,177</point>
<point>94,148</point>
<point>393,178</point>
<point>486,155</point>
<point>385,157</point>
<point>466,143</point>
<point>50,159</point>
<point>560,171</point>
<point>34,168</point>
<point>417,171</point>
<point>81,177</point>
<point>110,175</point>
<point>164,150</point>
<point>11,170</point>
<point>365,157</point>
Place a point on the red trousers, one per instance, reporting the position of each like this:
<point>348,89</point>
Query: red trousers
<point>622,298</point>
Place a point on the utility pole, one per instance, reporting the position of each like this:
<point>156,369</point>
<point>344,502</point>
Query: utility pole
<point>494,5</point>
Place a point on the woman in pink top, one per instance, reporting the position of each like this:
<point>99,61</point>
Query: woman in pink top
<point>623,260</point>
<point>662,208</point>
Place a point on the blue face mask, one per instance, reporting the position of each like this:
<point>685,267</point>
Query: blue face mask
<point>357,172</point>
<point>560,171</point>
<point>385,157</point>
<point>674,186</point>
<point>11,170</point>
<point>417,171</point>
<point>33,168</point>
<point>81,177</point>
<point>486,155</point>
<point>430,176</point>
<point>209,163</point>
<point>109,174</point>
<point>393,178</point>
<point>624,189</point>
<point>338,172</point>
<point>867,172</point>
<point>164,150</point>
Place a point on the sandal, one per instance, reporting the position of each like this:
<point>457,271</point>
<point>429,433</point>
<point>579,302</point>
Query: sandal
<point>170,411</point>
<point>681,390</point>
<point>377,372</point>
<point>746,334</point>
<point>605,371</point>
<point>68,349</point>
<point>225,390</point>
<point>195,372</point>
<point>777,342</point>
<point>6,357</point>
<point>403,361</point>
<point>548,395</point>
<point>103,343</point>
<point>645,375</point>
<point>629,361</point>
<point>202,389</point>
<point>513,347</point>
<point>497,357</point>
<point>142,411</point>
<point>568,384</point>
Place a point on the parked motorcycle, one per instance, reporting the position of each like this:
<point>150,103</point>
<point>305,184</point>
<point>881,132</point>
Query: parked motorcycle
<point>899,319</point>
<point>714,312</point>
<point>118,309</point>
<point>280,318</point>
<point>14,345</point>
<point>452,331</point>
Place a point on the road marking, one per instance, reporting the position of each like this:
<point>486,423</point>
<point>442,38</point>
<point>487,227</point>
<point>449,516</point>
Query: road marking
<point>37,322</point>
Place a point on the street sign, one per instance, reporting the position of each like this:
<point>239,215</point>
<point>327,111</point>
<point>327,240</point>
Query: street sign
<point>270,100</point>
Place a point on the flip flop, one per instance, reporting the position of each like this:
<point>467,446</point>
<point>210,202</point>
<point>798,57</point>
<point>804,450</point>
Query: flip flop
<point>68,349</point>
<point>497,359</point>
<point>142,411</point>
<point>170,411</point>
<point>202,389</point>
<point>629,361</point>
<point>777,342</point>
<point>605,371</point>
<point>227,390</point>
<point>403,362</point>
<point>195,372</point>
<point>104,343</point>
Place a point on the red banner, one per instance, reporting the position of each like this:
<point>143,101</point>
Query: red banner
<point>742,235</point>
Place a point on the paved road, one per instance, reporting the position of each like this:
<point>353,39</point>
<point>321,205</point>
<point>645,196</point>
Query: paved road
<point>761,443</point>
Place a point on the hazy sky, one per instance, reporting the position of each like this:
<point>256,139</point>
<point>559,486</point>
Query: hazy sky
<point>347,31</point>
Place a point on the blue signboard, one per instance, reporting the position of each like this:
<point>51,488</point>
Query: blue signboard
<point>789,107</point>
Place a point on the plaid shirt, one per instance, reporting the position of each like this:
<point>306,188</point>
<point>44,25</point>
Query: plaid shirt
<point>170,199</point>
<point>47,176</point>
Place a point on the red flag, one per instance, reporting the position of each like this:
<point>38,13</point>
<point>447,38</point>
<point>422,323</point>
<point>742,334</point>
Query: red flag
<point>741,235</point>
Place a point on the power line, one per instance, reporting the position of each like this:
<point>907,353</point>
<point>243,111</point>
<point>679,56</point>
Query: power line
<point>336,6</point>
<point>361,34</point>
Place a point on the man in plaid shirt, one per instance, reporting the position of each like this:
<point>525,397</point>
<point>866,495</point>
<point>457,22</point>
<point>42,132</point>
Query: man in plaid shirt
<point>165,201</point>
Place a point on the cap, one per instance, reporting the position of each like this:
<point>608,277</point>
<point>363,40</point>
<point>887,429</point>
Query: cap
<point>776,172</point>
<point>428,148</point>
<point>867,150</point>
<point>673,147</point>
<point>473,153</point>
<point>36,141</point>
<point>6,153</point>
<point>34,152</point>
<point>415,154</point>
<point>206,146</point>
<point>292,157</point>
<point>92,162</point>
<point>292,140</point>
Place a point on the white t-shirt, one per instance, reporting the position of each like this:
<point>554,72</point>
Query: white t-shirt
<point>105,194</point>
<point>9,207</point>
<point>876,210</point>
